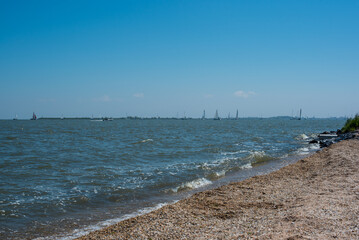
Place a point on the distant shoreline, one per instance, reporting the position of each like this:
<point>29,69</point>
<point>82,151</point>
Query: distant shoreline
<point>312,198</point>
<point>167,118</point>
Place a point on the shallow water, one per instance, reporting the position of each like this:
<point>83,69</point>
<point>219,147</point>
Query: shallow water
<point>61,175</point>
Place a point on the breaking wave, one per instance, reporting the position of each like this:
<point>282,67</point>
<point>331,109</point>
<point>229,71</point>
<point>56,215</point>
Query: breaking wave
<point>258,157</point>
<point>301,137</point>
<point>216,175</point>
<point>192,185</point>
<point>308,149</point>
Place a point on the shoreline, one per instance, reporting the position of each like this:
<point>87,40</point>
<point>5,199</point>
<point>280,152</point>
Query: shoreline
<point>257,169</point>
<point>316,197</point>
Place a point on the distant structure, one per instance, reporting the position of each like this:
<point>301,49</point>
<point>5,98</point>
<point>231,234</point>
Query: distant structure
<point>204,115</point>
<point>216,116</point>
<point>237,115</point>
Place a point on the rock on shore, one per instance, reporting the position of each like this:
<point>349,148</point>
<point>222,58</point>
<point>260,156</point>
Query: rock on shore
<point>315,198</point>
<point>325,139</point>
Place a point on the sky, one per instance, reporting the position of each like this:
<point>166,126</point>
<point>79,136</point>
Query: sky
<point>178,58</point>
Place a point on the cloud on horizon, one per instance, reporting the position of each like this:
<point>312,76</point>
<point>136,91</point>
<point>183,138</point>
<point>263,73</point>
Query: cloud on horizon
<point>243,94</point>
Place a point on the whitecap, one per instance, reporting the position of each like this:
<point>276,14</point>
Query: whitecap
<point>314,146</point>
<point>144,141</point>
<point>192,185</point>
<point>302,137</point>
<point>255,154</point>
<point>216,175</point>
<point>246,166</point>
<point>303,151</point>
<point>233,153</point>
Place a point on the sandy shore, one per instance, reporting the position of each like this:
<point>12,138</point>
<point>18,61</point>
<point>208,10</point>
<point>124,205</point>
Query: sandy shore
<point>315,198</point>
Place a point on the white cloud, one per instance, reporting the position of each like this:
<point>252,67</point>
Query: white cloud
<point>138,95</point>
<point>243,94</point>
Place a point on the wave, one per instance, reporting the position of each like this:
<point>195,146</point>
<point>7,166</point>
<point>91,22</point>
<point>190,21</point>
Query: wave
<point>307,149</point>
<point>258,157</point>
<point>144,141</point>
<point>246,166</point>
<point>192,185</point>
<point>301,137</point>
<point>233,153</point>
<point>216,175</point>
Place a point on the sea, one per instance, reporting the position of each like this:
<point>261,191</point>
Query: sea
<point>60,179</point>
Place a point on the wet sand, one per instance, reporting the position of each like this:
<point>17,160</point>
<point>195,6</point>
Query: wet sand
<point>315,198</point>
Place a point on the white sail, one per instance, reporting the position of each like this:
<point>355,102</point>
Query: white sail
<point>204,114</point>
<point>216,116</point>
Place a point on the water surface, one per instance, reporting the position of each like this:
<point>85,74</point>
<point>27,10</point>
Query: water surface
<point>61,175</point>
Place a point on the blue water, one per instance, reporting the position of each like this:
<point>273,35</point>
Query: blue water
<point>61,175</point>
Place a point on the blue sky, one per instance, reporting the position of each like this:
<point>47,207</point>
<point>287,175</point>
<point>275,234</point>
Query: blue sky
<point>149,58</point>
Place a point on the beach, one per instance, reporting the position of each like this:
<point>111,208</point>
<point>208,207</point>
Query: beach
<point>314,198</point>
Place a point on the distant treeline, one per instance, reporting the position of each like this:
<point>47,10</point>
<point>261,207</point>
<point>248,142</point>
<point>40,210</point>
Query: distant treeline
<point>351,124</point>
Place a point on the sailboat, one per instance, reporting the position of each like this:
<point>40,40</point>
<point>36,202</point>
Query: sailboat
<point>15,118</point>
<point>216,117</point>
<point>300,116</point>
<point>237,115</point>
<point>204,115</point>
<point>34,116</point>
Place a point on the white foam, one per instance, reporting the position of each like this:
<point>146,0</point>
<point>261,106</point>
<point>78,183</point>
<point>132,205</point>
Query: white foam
<point>144,141</point>
<point>302,137</point>
<point>233,153</point>
<point>314,146</point>
<point>216,175</point>
<point>255,154</point>
<point>246,166</point>
<point>192,185</point>
<point>308,149</point>
<point>220,174</point>
<point>216,163</point>
<point>303,151</point>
